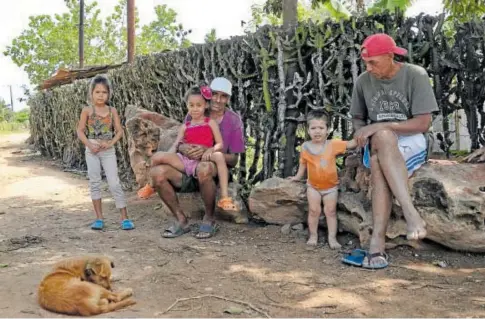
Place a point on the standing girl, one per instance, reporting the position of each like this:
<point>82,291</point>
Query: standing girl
<point>318,159</point>
<point>100,121</point>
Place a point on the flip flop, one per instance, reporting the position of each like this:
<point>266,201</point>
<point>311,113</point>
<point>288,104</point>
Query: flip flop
<point>175,230</point>
<point>355,258</point>
<point>127,225</point>
<point>383,256</point>
<point>145,192</point>
<point>97,225</point>
<point>227,204</point>
<point>207,231</point>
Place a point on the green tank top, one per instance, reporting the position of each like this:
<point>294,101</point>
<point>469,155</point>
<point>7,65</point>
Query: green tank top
<point>98,127</point>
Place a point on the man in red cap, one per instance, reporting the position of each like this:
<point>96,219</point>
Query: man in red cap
<point>391,109</point>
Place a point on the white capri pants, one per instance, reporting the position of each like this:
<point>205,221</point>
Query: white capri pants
<point>106,159</point>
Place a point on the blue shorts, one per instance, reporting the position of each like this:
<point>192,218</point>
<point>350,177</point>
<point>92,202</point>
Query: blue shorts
<point>413,149</point>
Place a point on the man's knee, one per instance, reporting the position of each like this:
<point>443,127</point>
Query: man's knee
<point>383,138</point>
<point>158,174</point>
<point>205,171</point>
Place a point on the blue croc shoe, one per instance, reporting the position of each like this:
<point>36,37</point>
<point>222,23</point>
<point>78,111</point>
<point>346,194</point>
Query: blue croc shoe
<point>97,225</point>
<point>127,225</point>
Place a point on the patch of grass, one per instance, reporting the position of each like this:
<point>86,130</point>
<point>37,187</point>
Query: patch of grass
<point>13,127</point>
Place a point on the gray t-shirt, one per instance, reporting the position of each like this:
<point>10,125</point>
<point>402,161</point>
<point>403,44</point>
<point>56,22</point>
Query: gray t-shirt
<point>407,94</point>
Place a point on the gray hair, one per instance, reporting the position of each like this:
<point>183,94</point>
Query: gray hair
<point>100,79</point>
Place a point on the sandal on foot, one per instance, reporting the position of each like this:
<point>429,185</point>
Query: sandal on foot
<point>355,258</point>
<point>145,192</point>
<point>97,225</point>
<point>127,225</point>
<point>383,256</point>
<point>226,203</point>
<point>207,231</point>
<point>175,230</point>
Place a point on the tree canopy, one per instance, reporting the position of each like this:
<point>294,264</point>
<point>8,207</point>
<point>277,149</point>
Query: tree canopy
<point>51,42</point>
<point>460,10</point>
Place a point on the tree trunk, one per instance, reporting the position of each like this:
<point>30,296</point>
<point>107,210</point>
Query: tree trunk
<point>360,6</point>
<point>289,22</point>
<point>289,13</point>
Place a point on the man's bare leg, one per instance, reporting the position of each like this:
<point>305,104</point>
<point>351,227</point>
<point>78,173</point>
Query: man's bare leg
<point>381,211</point>
<point>392,164</point>
<point>163,177</point>
<point>206,171</point>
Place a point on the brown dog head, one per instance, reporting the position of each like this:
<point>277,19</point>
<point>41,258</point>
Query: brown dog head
<point>98,271</point>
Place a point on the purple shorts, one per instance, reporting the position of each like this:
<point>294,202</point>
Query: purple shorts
<point>189,164</point>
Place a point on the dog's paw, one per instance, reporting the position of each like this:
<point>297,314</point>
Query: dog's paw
<point>127,292</point>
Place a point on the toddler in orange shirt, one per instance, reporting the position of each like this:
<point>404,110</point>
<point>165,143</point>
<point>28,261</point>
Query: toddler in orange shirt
<point>318,159</point>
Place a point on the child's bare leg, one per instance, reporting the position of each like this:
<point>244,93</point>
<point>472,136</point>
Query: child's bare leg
<point>222,172</point>
<point>165,158</point>
<point>314,211</point>
<point>330,210</point>
<point>124,213</point>
<point>98,208</point>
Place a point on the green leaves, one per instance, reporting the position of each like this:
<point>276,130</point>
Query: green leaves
<point>211,37</point>
<point>463,10</point>
<point>51,42</point>
<point>380,6</point>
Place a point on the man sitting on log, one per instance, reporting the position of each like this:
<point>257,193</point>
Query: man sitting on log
<point>167,180</point>
<point>391,108</point>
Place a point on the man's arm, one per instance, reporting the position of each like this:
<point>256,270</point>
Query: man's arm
<point>417,124</point>
<point>358,123</point>
<point>236,143</point>
<point>358,108</point>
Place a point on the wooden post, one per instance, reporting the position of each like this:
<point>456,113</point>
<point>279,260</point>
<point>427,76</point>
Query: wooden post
<point>81,34</point>
<point>131,30</point>
<point>457,131</point>
<point>11,97</point>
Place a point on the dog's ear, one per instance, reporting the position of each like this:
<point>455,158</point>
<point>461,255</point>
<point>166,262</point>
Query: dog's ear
<point>112,265</point>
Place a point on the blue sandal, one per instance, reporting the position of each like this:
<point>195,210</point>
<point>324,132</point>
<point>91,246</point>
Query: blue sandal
<point>97,225</point>
<point>381,255</point>
<point>127,225</point>
<point>355,258</point>
<point>207,231</point>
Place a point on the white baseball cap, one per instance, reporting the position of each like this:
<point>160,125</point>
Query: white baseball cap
<point>221,85</point>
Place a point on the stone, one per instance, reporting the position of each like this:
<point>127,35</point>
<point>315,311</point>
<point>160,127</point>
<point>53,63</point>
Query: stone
<point>297,227</point>
<point>278,201</point>
<point>445,193</point>
<point>150,132</point>
<point>286,229</point>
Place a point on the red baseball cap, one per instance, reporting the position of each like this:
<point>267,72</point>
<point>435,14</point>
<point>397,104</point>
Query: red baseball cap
<point>379,44</point>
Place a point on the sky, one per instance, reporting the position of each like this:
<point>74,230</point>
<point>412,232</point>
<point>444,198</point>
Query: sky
<point>198,15</point>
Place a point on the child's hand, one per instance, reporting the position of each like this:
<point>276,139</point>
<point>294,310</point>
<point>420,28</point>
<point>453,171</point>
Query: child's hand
<point>94,148</point>
<point>207,154</point>
<point>104,145</point>
<point>293,178</point>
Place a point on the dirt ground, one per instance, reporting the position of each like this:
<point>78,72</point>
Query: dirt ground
<point>253,271</point>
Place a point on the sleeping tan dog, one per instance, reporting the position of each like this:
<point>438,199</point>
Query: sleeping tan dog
<point>81,286</point>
